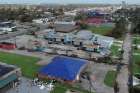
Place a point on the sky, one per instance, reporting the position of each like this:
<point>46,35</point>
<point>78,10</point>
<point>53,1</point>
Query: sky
<point>67,1</point>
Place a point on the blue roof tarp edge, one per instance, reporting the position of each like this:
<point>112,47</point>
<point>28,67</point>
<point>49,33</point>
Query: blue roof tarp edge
<point>61,67</point>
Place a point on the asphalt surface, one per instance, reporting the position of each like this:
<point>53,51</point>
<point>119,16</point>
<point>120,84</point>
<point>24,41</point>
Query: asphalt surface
<point>21,30</point>
<point>98,73</point>
<point>122,77</point>
<point>25,86</point>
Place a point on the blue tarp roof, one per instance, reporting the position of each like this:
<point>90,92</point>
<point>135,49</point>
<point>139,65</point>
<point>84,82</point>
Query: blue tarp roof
<point>65,68</point>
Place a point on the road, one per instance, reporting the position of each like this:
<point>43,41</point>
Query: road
<point>122,77</point>
<point>13,34</point>
<point>21,30</point>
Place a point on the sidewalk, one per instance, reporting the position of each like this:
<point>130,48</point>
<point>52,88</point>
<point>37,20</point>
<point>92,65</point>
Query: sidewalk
<point>122,77</point>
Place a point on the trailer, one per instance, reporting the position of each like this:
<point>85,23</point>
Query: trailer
<point>61,52</point>
<point>48,50</point>
<point>78,43</point>
<point>7,46</point>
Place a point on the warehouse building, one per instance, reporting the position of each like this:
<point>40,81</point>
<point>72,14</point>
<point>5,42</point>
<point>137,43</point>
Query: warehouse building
<point>64,69</point>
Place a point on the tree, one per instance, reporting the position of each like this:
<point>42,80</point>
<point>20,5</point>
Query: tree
<point>21,14</point>
<point>119,29</point>
<point>83,26</point>
<point>80,16</point>
<point>25,18</point>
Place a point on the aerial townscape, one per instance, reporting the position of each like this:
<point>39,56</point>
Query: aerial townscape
<point>67,46</point>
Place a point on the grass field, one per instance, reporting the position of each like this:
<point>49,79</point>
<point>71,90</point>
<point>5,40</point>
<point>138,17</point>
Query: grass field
<point>59,89</point>
<point>114,50</point>
<point>26,63</point>
<point>103,30</point>
<point>136,40</point>
<point>110,78</point>
<point>136,62</point>
<point>136,70</point>
<point>62,88</point>
<point>136,58</point>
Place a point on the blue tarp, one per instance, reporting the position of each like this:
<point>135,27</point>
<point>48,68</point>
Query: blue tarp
<point>94,13</point>
<point>65,68</point>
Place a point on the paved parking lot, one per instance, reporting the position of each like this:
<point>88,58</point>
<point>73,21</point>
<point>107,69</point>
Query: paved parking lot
<point>26,87</point>
<point>98,72</point>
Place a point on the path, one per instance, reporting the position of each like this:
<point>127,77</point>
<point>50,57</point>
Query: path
<point>122,77</point>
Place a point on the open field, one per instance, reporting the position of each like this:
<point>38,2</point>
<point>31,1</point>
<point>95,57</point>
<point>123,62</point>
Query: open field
<point>62,88</point>
<point>102,30</point>
<point>136,54</point>
<point>114,50</point>
<point>136,61</point>
<point>136,65</point>
<point>26,63</point>
<point>136,40</point>
<point>110,78</point>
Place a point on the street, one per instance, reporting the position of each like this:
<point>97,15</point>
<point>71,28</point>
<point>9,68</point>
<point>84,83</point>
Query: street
<point>122,77</point>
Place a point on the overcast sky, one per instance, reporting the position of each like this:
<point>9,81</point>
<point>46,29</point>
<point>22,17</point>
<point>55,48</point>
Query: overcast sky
<point>67,1</point>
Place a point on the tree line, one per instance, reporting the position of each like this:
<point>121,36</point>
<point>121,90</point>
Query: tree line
<point>21,14</point>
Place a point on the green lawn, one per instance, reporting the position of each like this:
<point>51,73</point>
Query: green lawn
<point>136,64</point>
<point>136,51</point>
<point>103,30</point>
<point>62,88</point>
<point>136,58</point>
<point>59,89</point>
<point>136,40</point>
<point>110,78</point>
<point>26,63</point>
<point>114,50</point>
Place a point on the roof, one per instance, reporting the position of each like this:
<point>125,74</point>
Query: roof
<point>62,67</point>
<point>6,74</point>
<point>104,40</point>
<point>5,69</point>
<point>65,28</point>
<point>84,34</point>
<point>7,80</point>
<point>95,20</point>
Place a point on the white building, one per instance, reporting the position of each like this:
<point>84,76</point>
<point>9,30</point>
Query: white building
<point>6,27</point>
<point>70,13</point>
<point>41,20</point>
